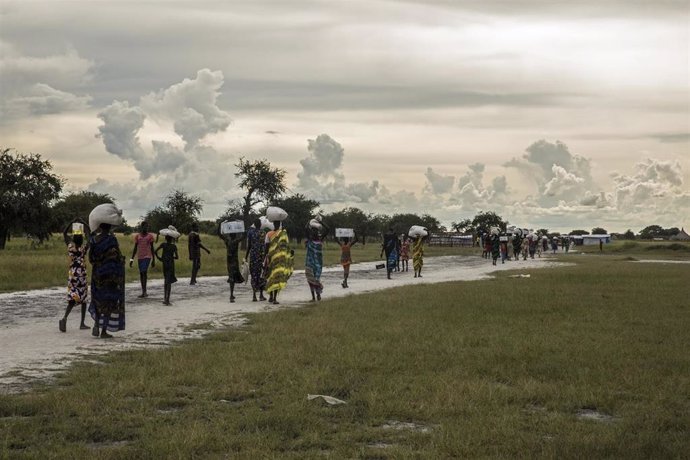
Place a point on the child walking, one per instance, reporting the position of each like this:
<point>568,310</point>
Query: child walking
<point>346,257</point>
<point>169,249</point>
<point>77,288</point>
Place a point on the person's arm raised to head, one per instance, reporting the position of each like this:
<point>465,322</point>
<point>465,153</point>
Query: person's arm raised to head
<point>153,259</point>
<point>134,251</point>
<point>155,253</point>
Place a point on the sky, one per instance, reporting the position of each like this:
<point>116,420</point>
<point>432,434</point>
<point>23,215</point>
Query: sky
<point>553,114</point>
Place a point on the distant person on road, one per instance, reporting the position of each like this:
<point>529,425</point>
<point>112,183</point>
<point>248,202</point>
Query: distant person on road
<point>168,259</point>
<point>601,245</point>
<point>495,242</point>
<point>389,246</point>
<point>313,261</point>
<point>517,245</point>
<point>107,306</point>
<point>280,261</point>
<point>77,287</point>
<point>232,245</point>
<point>195,247</point>
<point>256,252</point>
<point>143,249</point>
<point>504,250</point>
<point>554,245</point>
<point>346,257</point>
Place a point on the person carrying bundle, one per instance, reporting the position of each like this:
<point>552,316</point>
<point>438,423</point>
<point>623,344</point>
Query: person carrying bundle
<point>232,245</point>
<point>107,306</point>
<point>346,244</point>
<point>279,256</point>
<point>256,252</point>
<point>77,288</point>
<point>313,263</point>
<point>168,259</point>
<point>389,246</point>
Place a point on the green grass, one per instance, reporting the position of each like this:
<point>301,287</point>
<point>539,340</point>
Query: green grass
<point>494,368</point>
<point>19,263</point>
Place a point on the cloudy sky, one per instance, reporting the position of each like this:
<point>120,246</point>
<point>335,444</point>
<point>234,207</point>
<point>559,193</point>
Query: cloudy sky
<point>554,114</point>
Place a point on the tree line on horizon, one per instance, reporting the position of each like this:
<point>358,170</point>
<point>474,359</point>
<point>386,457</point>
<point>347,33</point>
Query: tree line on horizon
<point>32,203</point>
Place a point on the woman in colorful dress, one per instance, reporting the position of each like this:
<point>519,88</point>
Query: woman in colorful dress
<point>232,245</point>
<point>279,261</point>
<point>107,307</point>
<point>313,263</point>
<point>77,288</point>
<point>346,257</point>
<point>418,256</point>
<point>256,252</point>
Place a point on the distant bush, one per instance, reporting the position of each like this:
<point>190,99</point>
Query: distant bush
<point>669,247</point>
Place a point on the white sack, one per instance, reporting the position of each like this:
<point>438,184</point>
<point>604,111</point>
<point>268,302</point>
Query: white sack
<point>274,213</point>
<point>106,213</point>
<point>417,230</point>
<point>494,231</point>
<point>315,224</point>
<point>170,231</point>
<point>266,224</point>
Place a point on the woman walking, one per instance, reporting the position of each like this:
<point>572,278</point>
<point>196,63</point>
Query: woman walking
<point>256,251</point>
<point>107,307</point>
<point>77,288</point>
<point>279,259</point>
<point>418,256</point>
<point>313,263</point>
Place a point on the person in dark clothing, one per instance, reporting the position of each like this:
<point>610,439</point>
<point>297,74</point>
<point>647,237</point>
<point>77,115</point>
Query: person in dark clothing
<point>195,248</point>
<point>168,258</point>
<point>390,246</point>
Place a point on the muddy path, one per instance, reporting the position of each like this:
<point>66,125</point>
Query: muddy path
<point>33,348</point>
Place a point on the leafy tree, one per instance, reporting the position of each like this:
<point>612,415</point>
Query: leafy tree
<point>599,231</point>
<point>261,182</point>
<point>27,187</point>
<point>543,231</point>
<point>651,231</point>
<point>463,226</point>
<point>431,223</point>
<point>180,209</point>
<point>579,232</point>
<point>483,221</point>
<point>401,223</point>
<point>208,226</point>
<point>74,205</point>
<point>628,235</point>
<point>300,211</point>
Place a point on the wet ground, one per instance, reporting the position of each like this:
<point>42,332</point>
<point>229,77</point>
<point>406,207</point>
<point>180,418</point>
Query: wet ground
<point>33,348</point>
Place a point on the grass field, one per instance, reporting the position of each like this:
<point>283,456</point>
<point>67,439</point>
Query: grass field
<point>19,264</point>
<point>584,361</point>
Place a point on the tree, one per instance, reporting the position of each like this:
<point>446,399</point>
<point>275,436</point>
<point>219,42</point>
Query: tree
<point>628,235</point>
<point>579,232</point>
<point>300,211</point>
<point>651,231</point>
<point>261,182</point>
<point>543,231</point>
<point>75,205</point>
<point>27,187</point>
<point>483,221</point>
<point>180,209</point>
<point>431,223</point>
<point>463,226</point>
<point>599,231</point>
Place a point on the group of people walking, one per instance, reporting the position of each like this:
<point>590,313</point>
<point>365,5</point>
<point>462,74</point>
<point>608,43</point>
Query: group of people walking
<point>267,262</point>
<point>397,250</point>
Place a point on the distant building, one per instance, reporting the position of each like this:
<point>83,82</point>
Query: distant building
<point>681,236</point>
<point>450,239</point>
<point>595,239</point>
